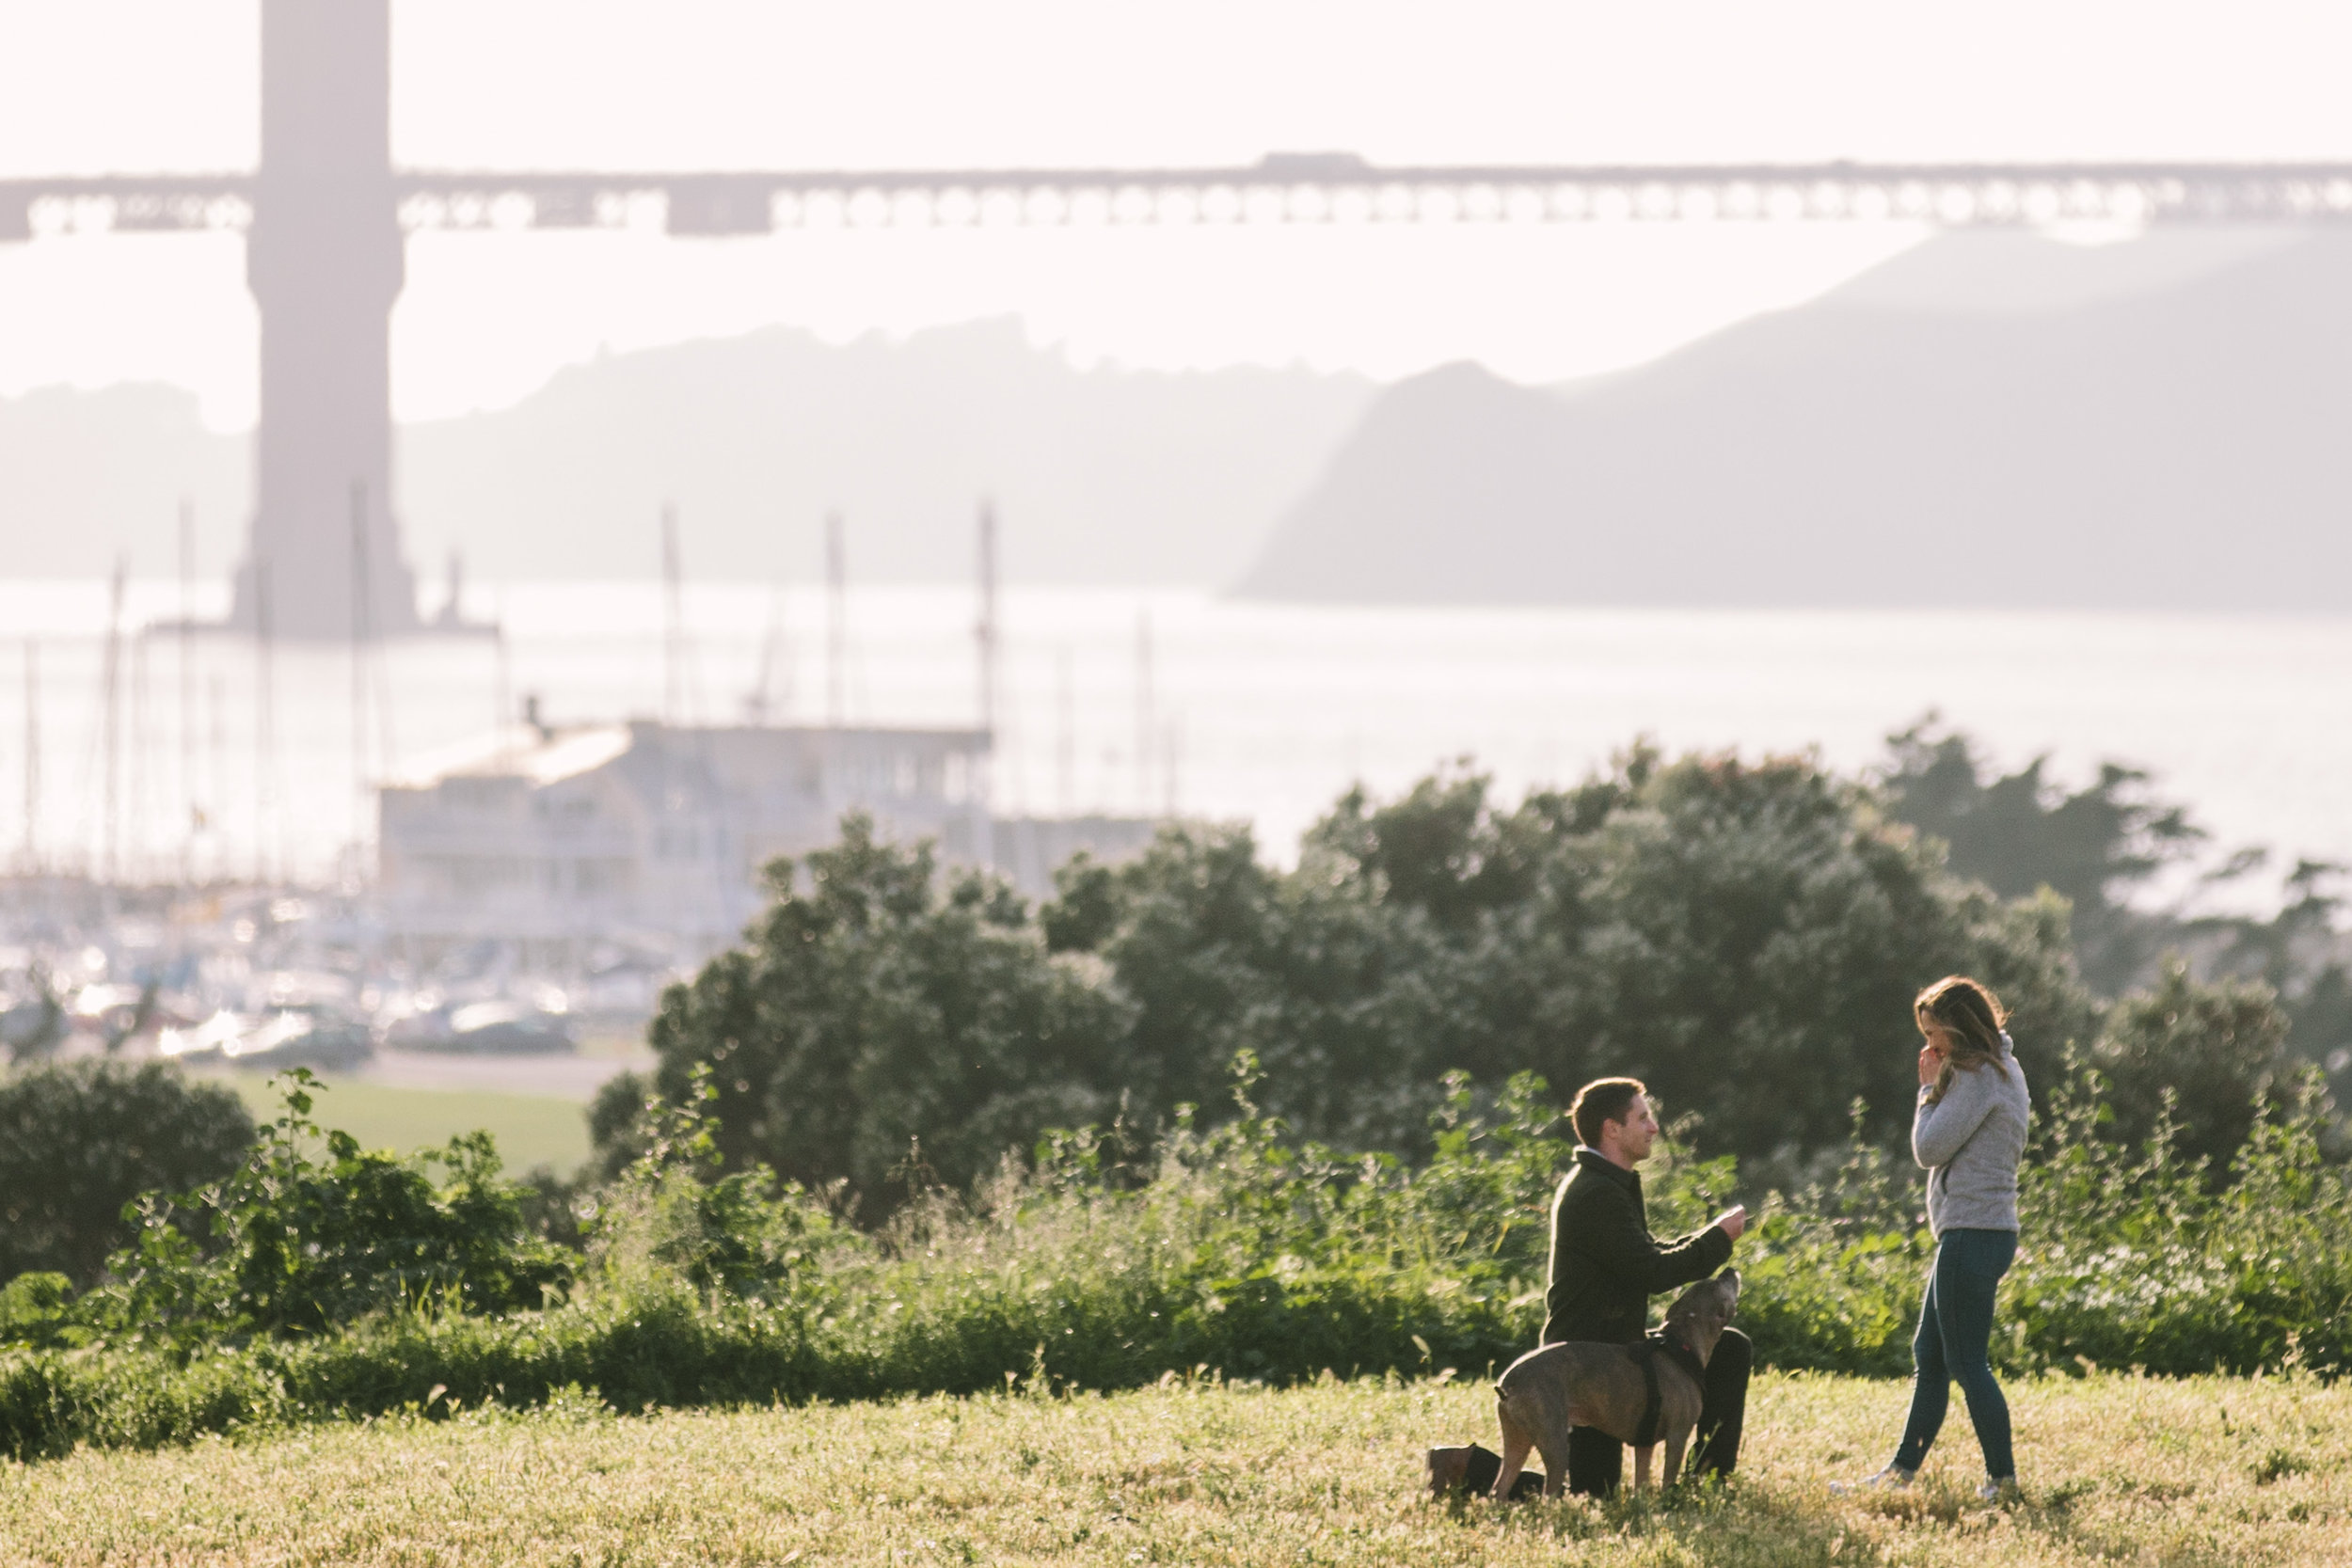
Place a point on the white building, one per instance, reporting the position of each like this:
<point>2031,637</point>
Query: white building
<point>556,839</point>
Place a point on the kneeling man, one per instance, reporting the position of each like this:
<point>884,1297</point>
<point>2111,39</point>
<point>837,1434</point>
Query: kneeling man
<point>1605,1266</point>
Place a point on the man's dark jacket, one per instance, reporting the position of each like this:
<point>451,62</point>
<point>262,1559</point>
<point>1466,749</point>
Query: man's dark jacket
<point>1605,1264</point>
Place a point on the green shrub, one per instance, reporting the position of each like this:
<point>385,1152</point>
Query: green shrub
<point>675,1215</point>
<point>79,1141</point>
<point>292,1244</point>
<point>36,1309</point>
<point>2131,1259</point>
<point>1240,1250</point>
<point>1831,1277</point>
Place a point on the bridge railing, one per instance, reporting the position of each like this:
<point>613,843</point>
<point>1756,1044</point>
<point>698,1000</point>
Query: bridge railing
<point>1281,188</point>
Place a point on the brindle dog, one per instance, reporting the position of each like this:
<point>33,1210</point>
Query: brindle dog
<point>1547,1391</point>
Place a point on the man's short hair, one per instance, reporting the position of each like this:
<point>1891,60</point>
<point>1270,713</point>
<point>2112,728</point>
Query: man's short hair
<point>1601,1101</point>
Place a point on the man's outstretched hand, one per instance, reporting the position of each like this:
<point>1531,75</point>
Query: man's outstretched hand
<point>1733,1220</point>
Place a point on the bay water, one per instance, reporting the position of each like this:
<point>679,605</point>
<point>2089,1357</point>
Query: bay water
<point>1118,700</point>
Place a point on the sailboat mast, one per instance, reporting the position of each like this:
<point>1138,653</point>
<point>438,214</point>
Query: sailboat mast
<point>32,754</point>
<point>359,672</point>
<point>836,619</point>
<point>187,689</point>
<point>110,824</point>
<point>265,720</point>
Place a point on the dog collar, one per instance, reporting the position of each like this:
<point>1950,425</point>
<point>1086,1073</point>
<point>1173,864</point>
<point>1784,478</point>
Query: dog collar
<point>1681,1355</point>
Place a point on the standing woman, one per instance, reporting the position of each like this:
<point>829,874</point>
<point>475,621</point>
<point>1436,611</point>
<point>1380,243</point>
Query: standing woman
<point>1968,1134</point>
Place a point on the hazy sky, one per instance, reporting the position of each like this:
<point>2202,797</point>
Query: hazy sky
<point>122,85</point>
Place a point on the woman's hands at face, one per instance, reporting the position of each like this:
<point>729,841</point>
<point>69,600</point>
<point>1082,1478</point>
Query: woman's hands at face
<point>1931,1063</point>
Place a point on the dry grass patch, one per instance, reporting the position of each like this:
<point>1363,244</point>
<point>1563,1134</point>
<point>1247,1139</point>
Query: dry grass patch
<point>2116,1469</point>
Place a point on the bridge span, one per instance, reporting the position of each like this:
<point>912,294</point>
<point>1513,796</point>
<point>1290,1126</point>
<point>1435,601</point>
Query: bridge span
<point>1319,187</point>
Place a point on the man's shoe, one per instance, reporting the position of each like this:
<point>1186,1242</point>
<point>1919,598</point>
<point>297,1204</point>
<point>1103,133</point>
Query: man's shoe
<point>1996,1489</point>
<point>1894,1477</point>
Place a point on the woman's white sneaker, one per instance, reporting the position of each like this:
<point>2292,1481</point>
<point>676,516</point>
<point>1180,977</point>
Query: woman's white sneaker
<point>1996,1489</point>
<point>1892,1479</point>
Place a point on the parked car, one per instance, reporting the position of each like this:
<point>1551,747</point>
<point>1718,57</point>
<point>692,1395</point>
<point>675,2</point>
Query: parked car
<point>314,1034</point>
<point>207,1041</point>
<point>508,1028</point>
<point>501,1026</point>
<point>311,1034</point>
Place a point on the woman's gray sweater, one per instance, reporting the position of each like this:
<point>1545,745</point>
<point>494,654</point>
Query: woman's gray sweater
<point>1969,1143</point>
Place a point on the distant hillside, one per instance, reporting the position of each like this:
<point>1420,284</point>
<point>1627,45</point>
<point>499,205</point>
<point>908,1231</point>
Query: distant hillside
<point>84,476</point>
<point>1988,420</point>
<point>1103,475</point>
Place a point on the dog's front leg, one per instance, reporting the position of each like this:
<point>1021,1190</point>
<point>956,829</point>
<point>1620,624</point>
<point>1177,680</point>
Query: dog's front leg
<point>1676,1440</point>
<point>1640,1467</point>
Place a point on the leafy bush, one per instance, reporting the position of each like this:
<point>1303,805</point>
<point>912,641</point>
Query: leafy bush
<point>1239,1249</point>
<point>2134,1259</point>
<point>291,1244</point>
<point>36,1309</point>
<point>80,1141</point>
<point>1831,1277</point>
<point>674,1217</point>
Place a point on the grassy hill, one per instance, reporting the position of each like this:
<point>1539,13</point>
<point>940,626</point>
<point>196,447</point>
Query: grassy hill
<point>531,1129</point>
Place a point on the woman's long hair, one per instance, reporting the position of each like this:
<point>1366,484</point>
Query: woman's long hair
<point>1971,1017</point>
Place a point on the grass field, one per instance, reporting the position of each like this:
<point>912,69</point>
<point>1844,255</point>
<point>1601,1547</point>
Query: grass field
<point>2116,1469</point>
<point>531,1129</point>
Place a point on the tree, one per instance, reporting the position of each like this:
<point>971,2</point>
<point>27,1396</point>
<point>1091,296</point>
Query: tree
<point>2299,955</point>
<point>80,1140</point>
<point>2218,1048</point>
<point>2017,832</point>
<point>879,1004</point>
<point>1747,937</point>
<point>2097,847</point>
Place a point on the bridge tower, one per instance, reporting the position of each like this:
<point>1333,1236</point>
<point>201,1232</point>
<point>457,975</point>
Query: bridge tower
<point>325,263</point>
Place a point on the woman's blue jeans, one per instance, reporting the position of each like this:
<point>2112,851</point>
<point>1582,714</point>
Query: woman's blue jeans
<point>1955,1326</point>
